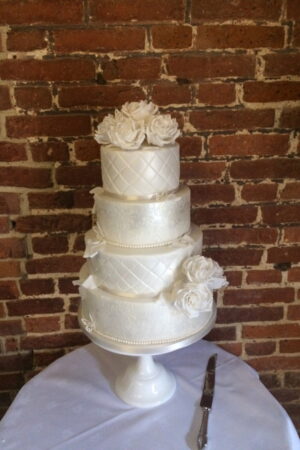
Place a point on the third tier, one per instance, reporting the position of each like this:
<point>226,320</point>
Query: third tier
<point>142,223</point>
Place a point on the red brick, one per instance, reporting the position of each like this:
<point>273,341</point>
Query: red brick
<point>265,168</point>
<point>269,331</point>
<point>283,254</point>
<point>74,304</point>
<point>227,119</point>
<point>87,150</point>
<point>277,215</point>
<point>170,94</point>
<point>291,191</point>
<point>9,269</point>
<point>11,381</point>
<point>10,327</point>
<point>221,334</point>
<point>207,193</point>
<point>275,363</point>
<point>8,290</point>
<point>216,93</point>
<point>252,314</point>
<point>294,275</point>
<point>234,277</point>
<point>35,306</point>
<point>197,67</point>
<point>133,68</point>
<point>5,102</point>
<point>38,286</point>
<point>279,64</point>
<point>9,203</point>
<point>249,144</point>
<point>260,348</point>
<point>2,311</point>
<point>51,200</point>
<point>79,244</point>
<point>290,118</point>
<point>99,95</point>
<point>42,324</point>
<point>11,363</point>
<point>50,125</point>
<point>47,69</point>
<point>78,175</point>
<point>293,312</point>
<point>40,11</point>
<point>190,146</point>
<point>296,35</point>
<point>66,286</point>
<point>255,10</point>
<point>4,225</point>
<point>12,344</point>
<point>291,234</point>
<point>235,256</point>
<point>10,151</point>
<point>233,347</point>
<point>99,40</point>
<point>239,36</point>
<point>136,10</point>
<point>70,339</point>
<point>202,170</point>
<point>257,296</point>
<point>83,199</point>
<point>25,177</point>
<point>260,236</point>
<point>71,322</point>
<point>263,276</point>
<point>292,379</point>
<point>49,151</point>
<point>50,244</point>
<point>58,264</point>
<point>290,346</point>
<point>262,192</point>
<point>26,41</point>
<point>286,395</point>
<point>171,36</point>
<point>72,223</point>
<point>43,359</point>
<point>12,248</point>
<point>232,214</point>
<point>293,10</point>
<point>33,97</point>
<point>275,91</point>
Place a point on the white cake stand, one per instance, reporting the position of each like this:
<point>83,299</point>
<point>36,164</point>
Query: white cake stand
<point>145,383</point>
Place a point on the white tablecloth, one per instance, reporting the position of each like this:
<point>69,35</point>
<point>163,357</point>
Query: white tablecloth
<point>71,406</point>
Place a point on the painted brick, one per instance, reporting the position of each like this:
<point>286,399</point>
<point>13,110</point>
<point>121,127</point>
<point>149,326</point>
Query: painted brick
<point>99,40</point>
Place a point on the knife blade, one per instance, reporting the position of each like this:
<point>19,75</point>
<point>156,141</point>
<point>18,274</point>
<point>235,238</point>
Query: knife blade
<point>207,400</point>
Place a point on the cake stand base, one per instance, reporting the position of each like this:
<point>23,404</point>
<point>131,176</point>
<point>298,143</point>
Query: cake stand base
<point>145,383</point>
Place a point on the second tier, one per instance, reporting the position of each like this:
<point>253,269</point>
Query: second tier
<point>142,223</point>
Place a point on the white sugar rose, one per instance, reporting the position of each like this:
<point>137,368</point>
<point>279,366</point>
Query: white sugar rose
<point>126,133</point>
<point>139,110</point>
<point>101,135</point>
<point>199,269</point>
<point>162,130</point>
<point>192,299</point>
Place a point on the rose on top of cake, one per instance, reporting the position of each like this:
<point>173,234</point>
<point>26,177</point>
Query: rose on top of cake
<point>137,124</point>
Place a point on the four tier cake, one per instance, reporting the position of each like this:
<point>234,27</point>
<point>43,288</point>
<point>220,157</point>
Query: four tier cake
<point>144,281</point>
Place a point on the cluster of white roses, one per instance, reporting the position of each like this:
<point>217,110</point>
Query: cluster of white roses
<point>195,295</point>
<point>135,123</point>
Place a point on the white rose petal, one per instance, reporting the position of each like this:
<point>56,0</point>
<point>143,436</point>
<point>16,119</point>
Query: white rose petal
<point>192,299</point>
<point>162,130</point>
<point>199,269</point>
<point>139,110</point>
<point>126,133</point>
<point>101,135</point>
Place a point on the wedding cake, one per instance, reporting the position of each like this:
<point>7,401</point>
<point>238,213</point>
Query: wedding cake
<point>144,281</point>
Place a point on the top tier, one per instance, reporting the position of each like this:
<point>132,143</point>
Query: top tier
<point>140,173</point>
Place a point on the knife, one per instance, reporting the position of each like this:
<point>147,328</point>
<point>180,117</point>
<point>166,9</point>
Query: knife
<point>206,400</point>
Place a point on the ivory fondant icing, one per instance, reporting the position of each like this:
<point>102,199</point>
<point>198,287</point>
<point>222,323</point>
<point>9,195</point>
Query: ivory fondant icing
<point>142,173</point>
<point>142,223</point>
<point>139,272</point>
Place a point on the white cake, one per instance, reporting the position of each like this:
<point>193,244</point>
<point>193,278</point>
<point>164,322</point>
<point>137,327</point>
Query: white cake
<point>144,282</point>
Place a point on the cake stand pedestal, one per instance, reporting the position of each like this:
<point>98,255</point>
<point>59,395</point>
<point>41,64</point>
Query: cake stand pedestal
<point>145,383</point>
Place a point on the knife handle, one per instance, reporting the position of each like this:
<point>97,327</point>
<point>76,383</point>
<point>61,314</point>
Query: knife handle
<point>202,435</point>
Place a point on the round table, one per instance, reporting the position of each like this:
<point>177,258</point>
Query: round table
<point>71,406</point>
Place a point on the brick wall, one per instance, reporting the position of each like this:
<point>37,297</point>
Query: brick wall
<point>229,72</point>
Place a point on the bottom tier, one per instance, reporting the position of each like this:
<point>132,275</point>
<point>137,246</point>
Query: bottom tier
<point>137,326</point>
